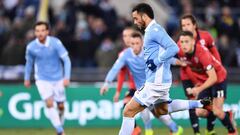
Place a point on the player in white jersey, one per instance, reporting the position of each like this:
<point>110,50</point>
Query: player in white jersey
<point>47,53</point>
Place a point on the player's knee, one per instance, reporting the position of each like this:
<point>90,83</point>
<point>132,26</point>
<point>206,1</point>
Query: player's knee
<point>160,111</point>
<point>201,113</point>
<point>49,103</point>
<point>61,106</point>
<point>218,113</point>
<point>128,111</point>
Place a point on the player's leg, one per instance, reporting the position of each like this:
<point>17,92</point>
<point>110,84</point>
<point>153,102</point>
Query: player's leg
<point>61,108</point>
<point>46,92</point>
<point>174,128</point>
<point>128,96</point>
<point>219,93</point>
<point>130,110</point>
<point>181,105</point>
<point>145,115</point>
<point>54,116</point>
<point>143,98</point>
<point>193,117</point>
<point>211,118</point>
<point>60,97</point>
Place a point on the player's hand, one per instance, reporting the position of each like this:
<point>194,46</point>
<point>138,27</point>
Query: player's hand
<point>103,90</point>
<point>66,82</point>
<point>189,91</point>
<point>151,65</point>
<point>183,63</point>
<point>116,97</point>
<point>27,83</point>
<point>195,91</point>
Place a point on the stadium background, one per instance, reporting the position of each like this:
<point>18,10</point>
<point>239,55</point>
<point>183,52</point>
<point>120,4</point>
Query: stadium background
<point>91,32</point>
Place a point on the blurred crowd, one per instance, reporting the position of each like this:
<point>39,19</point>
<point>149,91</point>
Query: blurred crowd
<point>91,29</point>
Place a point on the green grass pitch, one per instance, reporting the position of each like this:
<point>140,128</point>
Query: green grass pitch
<point>93,131</point>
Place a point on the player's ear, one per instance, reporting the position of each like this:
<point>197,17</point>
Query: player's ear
<point>193,41</point>
<point>144,16</point>
<point>47,32</point>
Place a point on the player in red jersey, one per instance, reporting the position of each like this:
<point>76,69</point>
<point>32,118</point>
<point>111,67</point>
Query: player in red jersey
<point>210,76</point>
<point>203,38</point>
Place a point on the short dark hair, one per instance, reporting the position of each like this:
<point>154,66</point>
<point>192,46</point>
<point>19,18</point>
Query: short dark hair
<point>144,8</point>
<point>129,28</point>
<point>42,23</point>
<point>188,16</point>
<point>136,34</point>
<point>186,33</point>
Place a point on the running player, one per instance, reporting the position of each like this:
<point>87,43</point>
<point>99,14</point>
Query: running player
<point>47,53</point>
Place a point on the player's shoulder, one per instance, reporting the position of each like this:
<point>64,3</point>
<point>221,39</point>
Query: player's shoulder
<point>31,44</point>
<point>201,49</point>
<point>204,33</point>
<point>126,51</point>
<point>55,40</point>
<point>156,28</point>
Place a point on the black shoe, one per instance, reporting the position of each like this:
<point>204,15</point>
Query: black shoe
<point>207,103</point>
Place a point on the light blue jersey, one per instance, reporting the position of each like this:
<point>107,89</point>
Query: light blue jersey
<point>47,59</point>
<point>161,48</point>
<point>135,64</point>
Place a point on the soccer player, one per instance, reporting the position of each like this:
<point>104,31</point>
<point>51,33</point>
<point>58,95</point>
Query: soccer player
<point>126,35</point>
<point>158,49</point>
<point>211,75</point>
<point>47,53</point>
<point>131,54</point>
<point>189,23</point>
<point>145,115</point>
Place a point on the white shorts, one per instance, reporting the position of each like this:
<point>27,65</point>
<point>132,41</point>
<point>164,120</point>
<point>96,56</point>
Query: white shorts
<point>150,93</point>
<point>53,89</point>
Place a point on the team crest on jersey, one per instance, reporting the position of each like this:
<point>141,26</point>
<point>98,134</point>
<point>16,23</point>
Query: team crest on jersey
<point>156,29</point>
<point>202,42</point>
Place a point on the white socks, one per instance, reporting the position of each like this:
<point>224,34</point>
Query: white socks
<point>127,126</point>
<point>180,105</point>
<point>145,115</point>
<point>54,118</point>
<point>167,120</point>
<point>61,116</point>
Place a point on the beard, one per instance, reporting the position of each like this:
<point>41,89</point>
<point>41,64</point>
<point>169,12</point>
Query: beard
<point>142,27</point>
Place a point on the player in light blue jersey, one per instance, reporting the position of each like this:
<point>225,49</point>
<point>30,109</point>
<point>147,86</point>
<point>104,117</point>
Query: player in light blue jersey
<point>46,54</point>
<point>159,48</point>
<point>133,58</point>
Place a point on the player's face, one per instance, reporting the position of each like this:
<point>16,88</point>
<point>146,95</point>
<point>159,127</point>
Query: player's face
<point>138,20</point>
<point>136,44</point>
<point>187,44</point>
<point>41,32</point>
<point>127,37</point>
<point>187,25</point>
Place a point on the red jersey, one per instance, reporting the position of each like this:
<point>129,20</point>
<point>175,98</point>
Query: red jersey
<point>203,38</point>
<point>199,62</point>
<point>121,78</point>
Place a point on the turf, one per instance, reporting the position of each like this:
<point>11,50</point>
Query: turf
<point>92,131</point>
